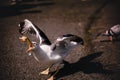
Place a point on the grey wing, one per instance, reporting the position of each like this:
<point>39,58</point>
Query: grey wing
<point>116,29</point>
<point>58,45</point>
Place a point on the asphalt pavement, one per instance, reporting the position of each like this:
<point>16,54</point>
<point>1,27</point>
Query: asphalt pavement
<point>97,60</point>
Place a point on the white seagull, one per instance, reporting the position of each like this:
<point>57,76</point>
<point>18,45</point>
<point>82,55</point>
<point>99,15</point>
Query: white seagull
<point>112,32</point>
<point>44,50</point>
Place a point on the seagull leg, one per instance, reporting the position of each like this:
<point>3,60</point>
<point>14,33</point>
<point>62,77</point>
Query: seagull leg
<point>52,77</point>
<point>46,72</point>
<point>111,38</point>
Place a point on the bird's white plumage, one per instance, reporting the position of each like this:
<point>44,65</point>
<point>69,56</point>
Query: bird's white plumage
<point>44,51</point>
<point>61,39</point>
<point>57,51</point>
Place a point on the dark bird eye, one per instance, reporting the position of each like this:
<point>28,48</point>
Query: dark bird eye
<point>21,26</point>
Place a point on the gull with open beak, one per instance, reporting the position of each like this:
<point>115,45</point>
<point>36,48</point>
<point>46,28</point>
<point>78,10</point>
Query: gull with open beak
<point>44,50</point>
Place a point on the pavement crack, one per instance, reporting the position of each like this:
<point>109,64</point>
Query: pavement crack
<point>91,19</point>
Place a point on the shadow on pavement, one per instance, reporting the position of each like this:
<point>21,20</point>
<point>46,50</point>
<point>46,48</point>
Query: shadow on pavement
<point>85,65</point>
<point>18,9</point>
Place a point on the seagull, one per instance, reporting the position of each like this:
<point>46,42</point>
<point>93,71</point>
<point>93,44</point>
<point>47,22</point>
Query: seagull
<point>44,50</point>
<point>112,32</point>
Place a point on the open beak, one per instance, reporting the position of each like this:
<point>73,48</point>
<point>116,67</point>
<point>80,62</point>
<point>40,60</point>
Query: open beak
<point>23,38</point>
<point>30,45</point>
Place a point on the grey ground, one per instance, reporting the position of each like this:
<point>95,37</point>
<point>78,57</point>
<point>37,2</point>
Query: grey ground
<point>97,60</point>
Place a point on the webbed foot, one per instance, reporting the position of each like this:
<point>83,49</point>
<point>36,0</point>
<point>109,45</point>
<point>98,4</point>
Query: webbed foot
<point>45,72</point>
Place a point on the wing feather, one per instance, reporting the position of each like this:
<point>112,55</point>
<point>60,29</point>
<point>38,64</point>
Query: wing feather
<point>28,27</point>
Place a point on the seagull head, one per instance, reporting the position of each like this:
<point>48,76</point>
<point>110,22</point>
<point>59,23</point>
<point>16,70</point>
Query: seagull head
<point>71,40</point>
<point>21,25</point>
<point>25,23</point>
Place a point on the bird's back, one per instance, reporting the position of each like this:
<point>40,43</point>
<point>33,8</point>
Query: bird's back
<point>116,29</point>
